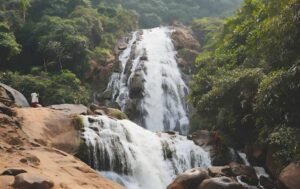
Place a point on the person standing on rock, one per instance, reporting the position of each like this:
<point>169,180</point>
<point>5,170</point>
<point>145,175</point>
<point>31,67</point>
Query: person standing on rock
<point>34,100</point>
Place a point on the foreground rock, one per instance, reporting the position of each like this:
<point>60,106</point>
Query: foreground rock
<point>220,183</point>
<point>26,164</point>
<point>30,181</point>
<point>223,177</point>
<point>289,177</point>
<point>52,128</point>
<point>220,154</point>
<point>190,179</point>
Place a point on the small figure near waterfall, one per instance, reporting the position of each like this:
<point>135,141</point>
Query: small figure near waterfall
<point>35,100</point>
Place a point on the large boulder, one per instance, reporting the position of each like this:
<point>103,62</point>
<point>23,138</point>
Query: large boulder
<point>289,176</point>
<point>183,38</point>
<point>6,181</point>
<point>190,179</point>
<point>219,171</point>
<point>30,181</point>
<point>220,183</point>
<point>10,96</point>
<point>49,127</point>
<point>247,173</point>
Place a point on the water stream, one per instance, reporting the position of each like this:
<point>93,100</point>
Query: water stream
<point>151,82</point>
<point>136,157</point>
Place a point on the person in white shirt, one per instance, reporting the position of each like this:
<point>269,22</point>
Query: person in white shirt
<point>34,100</point>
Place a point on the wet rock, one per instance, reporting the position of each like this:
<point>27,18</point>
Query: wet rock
<point>13,172</point>
<point>266,183</point>
<point>202,138</point>
<point>136,87</point>
<point>99,112</point>
<point>30,181</point>
<point>248,173</point>
<point>144,57</point>
<point>220,183</point>
<point>190,179</point>
<point>289,176</point>
<point>219,171</point>
<point>96,129</point>
<point>122,46</point>
<point>92,120</point>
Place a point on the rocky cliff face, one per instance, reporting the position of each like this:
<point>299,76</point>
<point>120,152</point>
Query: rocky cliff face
<point>30,140</point>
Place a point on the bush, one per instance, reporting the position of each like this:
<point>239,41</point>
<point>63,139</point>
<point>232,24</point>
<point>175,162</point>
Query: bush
<point>64,87</point>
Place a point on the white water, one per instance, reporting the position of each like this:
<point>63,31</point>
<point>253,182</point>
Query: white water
<point>162,105</point>
<point>138,158</point>
<point>243,156</point>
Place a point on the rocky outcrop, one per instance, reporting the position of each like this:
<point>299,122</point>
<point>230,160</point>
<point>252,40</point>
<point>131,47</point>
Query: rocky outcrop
<point>220,182</point>
<point>28,164</point>
<point>246,173</point>
<point>212,178</point>
<point>71,109</point>
<point>30,181</point>
<point>190,179</point>
<point>12,97</point>
<point>136,87</point>
<point>220,154</point>
<point>187,48</point>
<point>49,127</point>
<point>110,112</point>
<point>289,176</point>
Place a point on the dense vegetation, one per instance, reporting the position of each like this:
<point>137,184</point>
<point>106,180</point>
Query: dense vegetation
<point>45,37</point>
<point>248,80</point>
<point>152,13</point>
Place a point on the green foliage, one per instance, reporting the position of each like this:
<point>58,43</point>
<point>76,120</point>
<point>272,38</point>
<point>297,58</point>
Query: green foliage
<point>8,45</point>
<point>52,89</point>
<point>286,141</point>
<point>153,13</point>
<point>225,101</point>
<point>206,29</point>
<point>247,83</point>
<point>60,35</point>
<point>78,122</point>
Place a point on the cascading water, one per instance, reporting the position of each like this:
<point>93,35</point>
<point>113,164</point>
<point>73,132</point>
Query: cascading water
<point>138,158</point>
<point>150,89</point>
<point>150,82</point>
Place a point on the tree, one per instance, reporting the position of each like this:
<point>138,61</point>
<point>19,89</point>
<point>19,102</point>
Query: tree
<point>24,5</point>
<point>8,45</point>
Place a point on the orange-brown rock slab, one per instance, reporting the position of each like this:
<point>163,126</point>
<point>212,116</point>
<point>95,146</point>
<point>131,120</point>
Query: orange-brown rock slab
<point>290,176</point>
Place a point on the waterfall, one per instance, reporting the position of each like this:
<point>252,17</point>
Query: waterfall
<point>150,88</point>
<point>138,158</point>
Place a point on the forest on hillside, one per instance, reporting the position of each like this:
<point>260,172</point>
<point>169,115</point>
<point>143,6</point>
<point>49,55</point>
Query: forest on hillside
<point>55,46</point>
<point>49,46</point>
<point>152,13</point>
<point>248,80</point>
